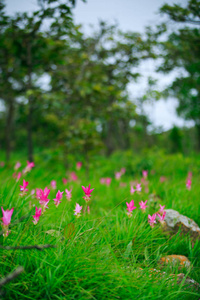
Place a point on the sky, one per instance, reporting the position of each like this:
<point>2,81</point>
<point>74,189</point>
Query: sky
<point>131,15</point>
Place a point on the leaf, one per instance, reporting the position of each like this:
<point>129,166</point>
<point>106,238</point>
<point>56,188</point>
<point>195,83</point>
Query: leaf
<point>69,231</point>
<point>128,250</point>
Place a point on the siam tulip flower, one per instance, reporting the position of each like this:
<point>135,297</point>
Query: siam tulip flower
<point>143,205</point>
<point>32,192</point>
<point>7,214</point>
<point>68,194</point>
<point>108,181</point>
<point>152,220</point>
<point>102,180</point>
<point>53,184</point>
<point>18,176</point>
<point>2,164</point>
<point>88,209</point>
<point>29,167</point>
<point>123,171</point>
<point>78,165</point>
<point>42,196</point>
<point>188,184</point>
<point>58,198</point>
<point>162,217</point>
<point>162,178</point>
<point>162,209</point>
<point>138,187</point>
<point>145,173</point>
<point>23,188</point>
<point>118,175</point>
<point>132,190</point>
<point>36,217</point>
<point>17,166</point>
<point>73,176</point>
<point>130,208</point>
<point>78,210</point>
<point>64,180</point>
<point>87,192</point>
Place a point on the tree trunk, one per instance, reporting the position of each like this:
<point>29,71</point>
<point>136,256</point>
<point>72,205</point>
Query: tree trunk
<point>8,131</point>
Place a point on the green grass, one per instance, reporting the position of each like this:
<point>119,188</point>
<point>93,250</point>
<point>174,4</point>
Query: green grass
<point>104,255</point>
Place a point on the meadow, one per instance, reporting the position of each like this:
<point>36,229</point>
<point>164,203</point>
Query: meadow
<point>103,254</point>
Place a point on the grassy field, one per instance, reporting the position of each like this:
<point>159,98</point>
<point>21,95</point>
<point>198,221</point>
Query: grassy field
<point>104,254</point>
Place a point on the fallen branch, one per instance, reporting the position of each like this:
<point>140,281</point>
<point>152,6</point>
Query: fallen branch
<point>38,247</point>
<point>11,276</point>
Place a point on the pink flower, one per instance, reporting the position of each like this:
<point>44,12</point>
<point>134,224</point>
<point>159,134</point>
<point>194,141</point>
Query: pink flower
<point>18,176</point>
<point>23,188</point>
<point>123,171</point>
<point>38,212</point>
<point>7,214</point>
<point>73,176</point>
<point>2,164</point>
<point>162,218</point>
<point>87,192</point>
<point>17,166</point>
<point>132,190</point>
<point>42,196</point>
<point>68,194</point>
<point>88,209</point>
<point>152,220</point>
<point>108,181</point>
<point>145,173</point>
<point>162,209</point>
<point>130,207</point>
<point>64,180</point>
<point>78,165</point>
<point>118,175</point>
<point>188,184</point>
<point>102,180</point>
<point>78,210</point>
<point>29,167</point>
<point>143,205</point>
<point>53,184</point>
<point>162,178</point>
<point>138,187</point>
<point>58,198</point>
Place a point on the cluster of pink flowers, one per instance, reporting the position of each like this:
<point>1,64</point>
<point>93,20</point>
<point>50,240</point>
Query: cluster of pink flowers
<point>120,173</point>
<point>138,188</point>
<point>189,181</point>
<point>106,181</point>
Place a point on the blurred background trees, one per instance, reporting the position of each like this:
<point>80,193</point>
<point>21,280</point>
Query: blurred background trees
<point>63,90</point>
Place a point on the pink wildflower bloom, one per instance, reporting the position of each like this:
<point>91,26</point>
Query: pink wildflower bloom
<point>17,166</point>
<point>2,164</point>
<point>64,180</point>
<point>78,165</point>
<point>53,184</point>
<point>23,188</point>
<point>102,180</point>
<point>161,218</point>
<point>130,207</point>
<point>42,196</point>
<point>118,175</point>
<point>32,192</point>
<point>73,176</point>
<point>29,167</point>
<point>145,173</point>
<point>162,178</point>
<point>88,209</point>
<point>36,217</point>
<point>7,214</point>
<point>162,209</point>
<point>58,198</point>
<point>78,210</point>
<point>188,184</point>
<point>132,190</point>
<point>108,181</point>
<point>18,176</point>
<point>68,194</point>
<point>123,171</point>
<point>138,187</point>
<point>87,192</point>
<point>152,220</point>
<point>143,205</point>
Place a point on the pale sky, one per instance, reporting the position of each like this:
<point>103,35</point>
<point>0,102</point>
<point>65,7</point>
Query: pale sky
<point>131,15</point>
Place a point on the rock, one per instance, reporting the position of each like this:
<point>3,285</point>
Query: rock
<point>174,221</point>
<point>180,260</point>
